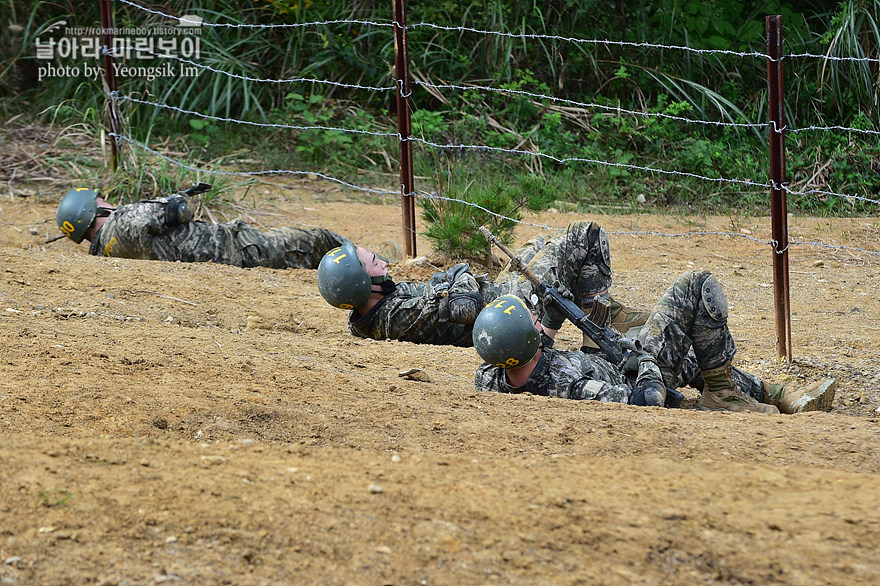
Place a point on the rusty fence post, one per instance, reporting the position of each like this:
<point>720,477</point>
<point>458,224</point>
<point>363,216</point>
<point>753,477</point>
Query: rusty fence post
<point>778,195</point>
<point>404,129</point>
<point>113,115</point>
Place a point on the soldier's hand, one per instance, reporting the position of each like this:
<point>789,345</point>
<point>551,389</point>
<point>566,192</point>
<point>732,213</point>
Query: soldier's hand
<point>553,318</point>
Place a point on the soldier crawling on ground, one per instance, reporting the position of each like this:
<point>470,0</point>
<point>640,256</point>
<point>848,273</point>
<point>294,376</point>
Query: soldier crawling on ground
<point>442,311</point>
<point>163,229</point>
<point>691,315</point>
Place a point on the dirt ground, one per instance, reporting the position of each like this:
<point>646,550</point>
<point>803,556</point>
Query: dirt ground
<point>205,424</point>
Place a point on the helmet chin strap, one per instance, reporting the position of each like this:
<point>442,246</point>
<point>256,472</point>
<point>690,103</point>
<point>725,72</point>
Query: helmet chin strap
<point>386,285</point>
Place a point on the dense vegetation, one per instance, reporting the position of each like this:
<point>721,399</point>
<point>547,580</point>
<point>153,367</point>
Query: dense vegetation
<point>716,86</point>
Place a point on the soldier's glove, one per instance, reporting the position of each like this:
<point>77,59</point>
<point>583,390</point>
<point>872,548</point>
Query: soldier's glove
<point>553,318</point>
<point>649,389</point>
<point>447,278</point>
<point>177,211</point>
<point>462,308</point>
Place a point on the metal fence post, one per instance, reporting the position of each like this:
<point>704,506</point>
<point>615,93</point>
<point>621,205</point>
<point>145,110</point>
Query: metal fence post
<point>110,79</point>
<point>404,129</point>
<point>778,195</point>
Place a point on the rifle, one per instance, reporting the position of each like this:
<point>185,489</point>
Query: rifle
<point>616,348</point>
<point>197,189</point>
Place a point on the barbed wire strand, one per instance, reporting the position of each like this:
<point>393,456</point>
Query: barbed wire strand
<point>829,128</point>
<point>693,233</point>
<point>120,99</point>
<point>260,26</point>
<point>505,91</point>
<point>506,34</point>
<point>831,57</point>
<point>508,91</point>
<point>558,160</point>
<point>352,86</point>
<point>831,193</point>
<point>249,173</point>
<point>429,196</point>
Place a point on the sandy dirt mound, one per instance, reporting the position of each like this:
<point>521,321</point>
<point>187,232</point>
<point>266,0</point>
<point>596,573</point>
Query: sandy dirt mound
<point>204,424</point>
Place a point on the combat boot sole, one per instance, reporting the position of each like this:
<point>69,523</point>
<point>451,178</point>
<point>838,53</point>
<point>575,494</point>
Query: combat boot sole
<point>817,397</point>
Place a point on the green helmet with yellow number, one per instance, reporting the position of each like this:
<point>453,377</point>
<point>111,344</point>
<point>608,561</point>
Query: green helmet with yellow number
<point>342,279</point>
<point>504,333</point>
<point>76,212</point>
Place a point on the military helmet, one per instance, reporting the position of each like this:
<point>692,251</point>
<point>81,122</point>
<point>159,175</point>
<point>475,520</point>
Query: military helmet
<point>504,333</point>
<point>342,280</point>
<point>76,212</point>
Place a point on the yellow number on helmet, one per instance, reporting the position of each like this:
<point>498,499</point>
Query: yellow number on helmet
<point>511,362</point>
<point>67,228</point>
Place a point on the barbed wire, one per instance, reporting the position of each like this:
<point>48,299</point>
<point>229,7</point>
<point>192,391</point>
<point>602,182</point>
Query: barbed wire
<point>831,57</point>
<point>506,34</point>
<point>555,99</point>
<point>829,128</point>
<point>429,196</point>
<point>432,196</point>
<point>183,165</point>
<point>558,160</point>
<point>692,233</point>
<point>120,99</point>
<point>578,41</point>
<point>563,160</point>
<point>831,193</point>
<point>258,25</point>
<point>506,91</point>
<point>352,86</point>
<point>424,196</point>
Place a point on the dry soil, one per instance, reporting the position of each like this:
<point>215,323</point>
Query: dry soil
<point>205,424</point>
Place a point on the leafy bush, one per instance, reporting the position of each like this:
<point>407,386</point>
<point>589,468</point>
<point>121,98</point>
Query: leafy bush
<point>453,225</point>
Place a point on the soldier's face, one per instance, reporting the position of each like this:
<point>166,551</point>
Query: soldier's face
<point>375,266</point>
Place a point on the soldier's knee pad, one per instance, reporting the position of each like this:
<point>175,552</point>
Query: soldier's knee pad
<point>462,308</point>
<point>712,298</point>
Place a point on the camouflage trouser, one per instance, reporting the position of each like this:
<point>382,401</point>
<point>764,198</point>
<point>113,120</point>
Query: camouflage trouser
<point>281,248</point>
<point>567,259</point>
<point>681,321</point>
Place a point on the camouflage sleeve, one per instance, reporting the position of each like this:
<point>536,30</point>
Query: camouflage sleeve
<point>416,318</point>
<point>490,378</point>
<point>131,229</point>
<point>587,377</point>
<point>562,374</point>
<point>412,314</point>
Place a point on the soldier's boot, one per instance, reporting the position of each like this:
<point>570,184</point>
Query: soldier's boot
<point>720,394</point>
<point>817,396</point>
<point>623,318</point>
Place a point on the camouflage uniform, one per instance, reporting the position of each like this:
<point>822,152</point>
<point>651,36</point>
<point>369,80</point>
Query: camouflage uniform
<point>563,374</point>
<point>147,230</point>
<point>414,312</point>
<point>680,321</point>
<point>682,330</point>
